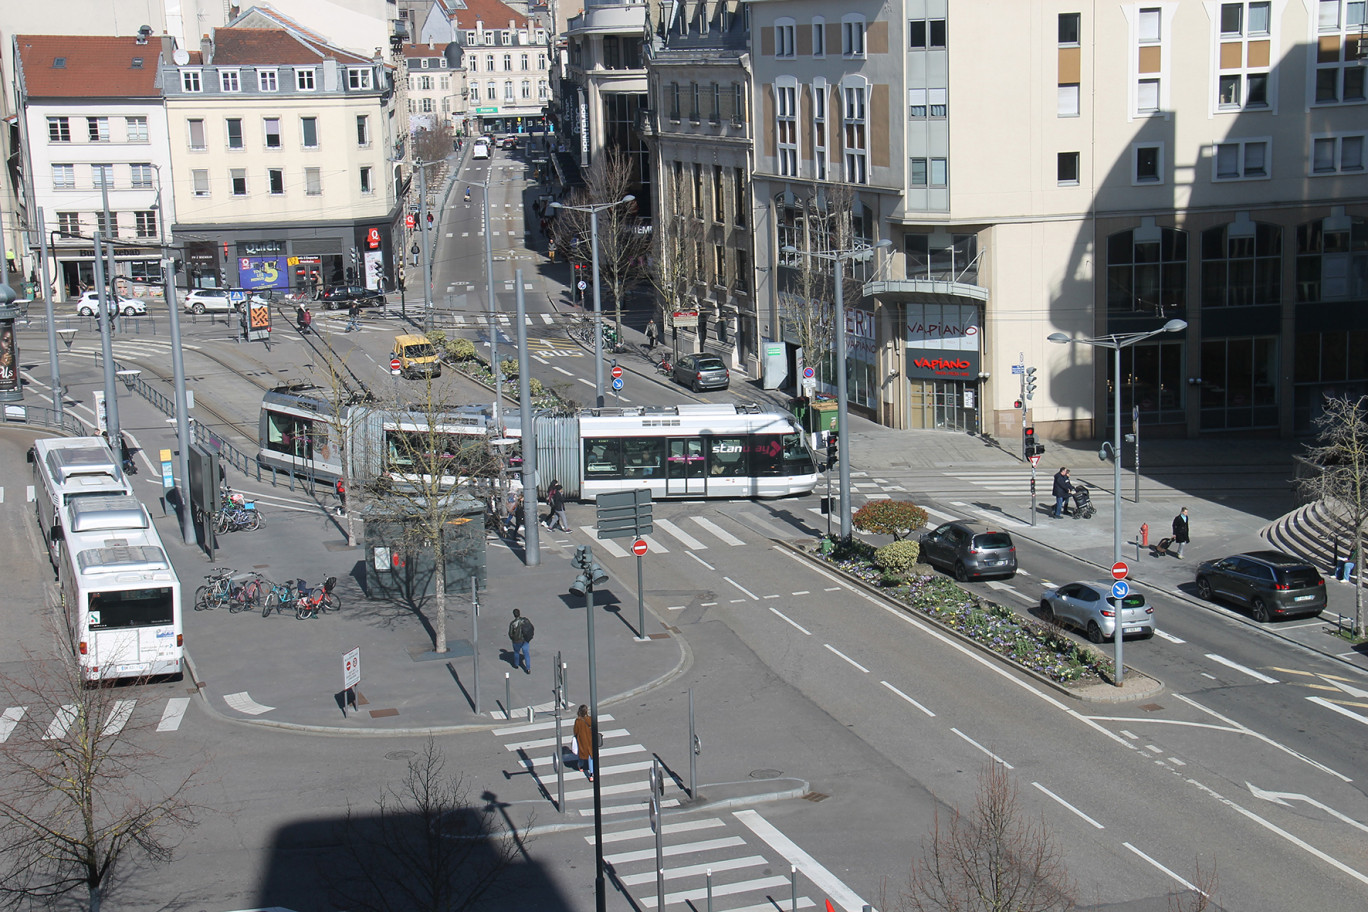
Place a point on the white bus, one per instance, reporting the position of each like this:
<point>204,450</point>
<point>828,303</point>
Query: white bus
<point>65,470</point>
<point>120,594</point>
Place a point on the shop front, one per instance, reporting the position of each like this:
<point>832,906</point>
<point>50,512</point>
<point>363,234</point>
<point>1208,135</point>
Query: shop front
<point>941,364</point>
<point>292,261</point>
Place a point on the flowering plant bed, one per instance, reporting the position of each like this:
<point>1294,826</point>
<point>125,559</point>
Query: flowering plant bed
<point>1026,642</point>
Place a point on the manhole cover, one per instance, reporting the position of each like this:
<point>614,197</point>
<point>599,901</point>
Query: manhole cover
<point>401,755</point>
<point>766,774</point>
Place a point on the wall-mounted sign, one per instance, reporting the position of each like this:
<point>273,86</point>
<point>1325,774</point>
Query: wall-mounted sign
<point>943,341</point>
<point>261,248</point>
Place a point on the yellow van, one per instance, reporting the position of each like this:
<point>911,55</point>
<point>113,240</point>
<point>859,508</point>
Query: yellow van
<point>417,356</point>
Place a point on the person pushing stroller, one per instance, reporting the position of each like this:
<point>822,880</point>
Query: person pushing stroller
<point>1082,500</point>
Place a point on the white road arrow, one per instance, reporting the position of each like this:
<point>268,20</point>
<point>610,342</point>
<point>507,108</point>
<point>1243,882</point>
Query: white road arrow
<point>1351,691</point>
<point>1284,798</point>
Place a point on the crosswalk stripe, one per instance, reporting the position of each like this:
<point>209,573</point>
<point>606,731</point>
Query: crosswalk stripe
<point>9,719</point>
<point>655,546</point>
<point>685,826</point>
<point>804,902</point>
<point>550,762</point>
<point>173,714</point>
<point>624,788</point>
<point>688,540</point>
<point>608,544</point>
<point>722,864</point>
<point>731,889</point>
<point>539,726</point>
<point>548,742</point>
<point>61,722</point>
<point>629,807</point>
<point>690,848</point>
<point>123,709</point>
<point>715,529</point>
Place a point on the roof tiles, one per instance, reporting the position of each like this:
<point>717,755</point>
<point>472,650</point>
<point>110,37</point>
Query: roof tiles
<point>91,66</point>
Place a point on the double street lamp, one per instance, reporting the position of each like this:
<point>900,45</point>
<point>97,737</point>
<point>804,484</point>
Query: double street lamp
<point>1116,342</point>
<point>593,209</point>
<point>839,258</point>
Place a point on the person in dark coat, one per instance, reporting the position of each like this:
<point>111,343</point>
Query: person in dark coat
<point>555,499</point>
<point>1061,490</point>
<point>1180,530</point>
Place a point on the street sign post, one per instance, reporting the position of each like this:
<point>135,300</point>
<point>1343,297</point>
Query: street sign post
<point>627,514</point>
<point>1035,460</point>
<point>395,366</point>
<point>617,372</point>
<point>639,547</point>
<point>1120,570</point>
<point>351,676</point>
<point>1120,589</point>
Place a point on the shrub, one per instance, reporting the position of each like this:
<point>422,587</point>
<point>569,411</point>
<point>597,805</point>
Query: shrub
<point>889,517</point>
<point>460,349</point>
<point>898,558</point>
<point>509,366</point>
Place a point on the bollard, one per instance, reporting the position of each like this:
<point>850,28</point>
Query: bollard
<point>530,716</point>
<point>508,697</point>
<point>710,907</point>
<point>793,888</point>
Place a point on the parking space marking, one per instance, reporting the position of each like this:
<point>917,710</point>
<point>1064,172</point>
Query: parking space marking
<point>1258,676</point>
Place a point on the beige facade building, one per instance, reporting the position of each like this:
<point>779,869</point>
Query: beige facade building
<point>1112,167</point>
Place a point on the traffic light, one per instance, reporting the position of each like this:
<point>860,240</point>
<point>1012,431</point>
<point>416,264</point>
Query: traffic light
<point>833,447</point>
<point>591,574</point>
<point>1028,443</point>
<point>1030,382</point>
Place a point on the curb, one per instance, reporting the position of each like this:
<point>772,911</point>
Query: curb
<point>1153,688</point>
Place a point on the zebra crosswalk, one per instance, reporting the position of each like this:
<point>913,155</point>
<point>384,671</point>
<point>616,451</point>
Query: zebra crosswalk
<point>726,858</point>
<point>115,719</point>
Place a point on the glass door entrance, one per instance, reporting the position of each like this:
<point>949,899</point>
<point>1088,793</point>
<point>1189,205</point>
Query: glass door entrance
<point>684,466</point>
<point>948,403</point>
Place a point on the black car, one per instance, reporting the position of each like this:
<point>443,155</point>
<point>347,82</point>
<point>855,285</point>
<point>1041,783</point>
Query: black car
<point>969,553</point>
<point>336,296</point>
<point>1271,583</point>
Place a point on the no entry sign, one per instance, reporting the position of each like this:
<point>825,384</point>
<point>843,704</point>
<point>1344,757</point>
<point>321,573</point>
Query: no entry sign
<point>639,547</point>
<point>1120,570</point>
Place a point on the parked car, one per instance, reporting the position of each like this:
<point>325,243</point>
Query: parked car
<point>211,300</point>
<point>702,372</point>
<point>89,305</point>
<point>337,296</point>
<point>1092,609</point>
<point>1271,583</point>
<point>969,553</point>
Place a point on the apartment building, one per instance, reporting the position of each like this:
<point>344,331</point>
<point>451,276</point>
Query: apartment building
<point>265,124</point>
<point>93,131</point>
<point>436,89</point>
<point>506,57</point>
<point>1112,167</point>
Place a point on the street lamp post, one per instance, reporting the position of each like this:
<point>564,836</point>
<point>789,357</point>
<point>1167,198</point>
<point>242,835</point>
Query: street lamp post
<point>839,258</point>
<point>594,209</point>
<point>1116,342</point>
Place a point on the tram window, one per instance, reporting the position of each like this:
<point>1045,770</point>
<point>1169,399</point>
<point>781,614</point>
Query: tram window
<point>727,457</point>
<point>289,435</point>
<point>796,456</point>
<point>641,458</point>
<point>602,457</point>
<point>427,451</point>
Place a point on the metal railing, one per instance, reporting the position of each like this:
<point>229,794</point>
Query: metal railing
<point>43,417</point>
<point>244,463</point>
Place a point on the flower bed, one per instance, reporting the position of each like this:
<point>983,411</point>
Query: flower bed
<point>1029,643</point>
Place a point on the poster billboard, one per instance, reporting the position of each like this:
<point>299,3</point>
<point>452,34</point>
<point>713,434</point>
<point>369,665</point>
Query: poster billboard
<point>262,272</point>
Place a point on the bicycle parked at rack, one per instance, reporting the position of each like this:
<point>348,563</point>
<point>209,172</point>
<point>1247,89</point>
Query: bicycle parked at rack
<point>248,595</point>
<point>238,513</point>
<point>217,590</point>
<point>312,602</point>
<point>279,597</point>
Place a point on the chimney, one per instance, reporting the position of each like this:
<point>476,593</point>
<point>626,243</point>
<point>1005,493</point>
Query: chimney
<point>207,49</point>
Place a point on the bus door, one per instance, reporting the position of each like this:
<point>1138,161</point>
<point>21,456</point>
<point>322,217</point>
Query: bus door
<point>684,473</point>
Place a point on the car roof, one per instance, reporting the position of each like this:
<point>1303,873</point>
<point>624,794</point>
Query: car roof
<point>1104,587</point>
<point>1274,558</point>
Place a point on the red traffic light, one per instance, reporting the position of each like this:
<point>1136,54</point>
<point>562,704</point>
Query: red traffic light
<point>1016,404</point>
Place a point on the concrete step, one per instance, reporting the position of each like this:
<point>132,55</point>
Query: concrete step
<point>1315,532</point>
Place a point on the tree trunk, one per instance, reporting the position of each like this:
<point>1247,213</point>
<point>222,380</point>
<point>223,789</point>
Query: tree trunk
<point>439,580</point>
<point>93,893</point>
<point>1358,586</point>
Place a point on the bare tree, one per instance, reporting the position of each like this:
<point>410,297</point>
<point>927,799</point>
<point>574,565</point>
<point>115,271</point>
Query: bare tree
<point>674,270</point>
<point>988,860</point>
<point>1341,482</point>
<point>78,797</point>
<point>430,465</point>
<point>424,848</point>
<point>432,143</point>
<point>341,397</point>
<point>622,248</point>
<point>822,224</point>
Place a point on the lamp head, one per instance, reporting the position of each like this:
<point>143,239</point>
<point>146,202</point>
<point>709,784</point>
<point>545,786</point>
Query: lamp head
<point>789,249</point>
<point>1059,337</point>
<point>556,205</point>
<point>1173,326</point>
<point>627,198</point>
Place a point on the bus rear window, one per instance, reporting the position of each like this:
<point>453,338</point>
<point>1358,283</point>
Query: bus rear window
<point>130,608</point>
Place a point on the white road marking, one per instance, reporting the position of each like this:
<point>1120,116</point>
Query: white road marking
<point>1067,805</point>
<point>907,698</point>
<point>654,545</point>
<point>243,703</point>
<point>1162,868</point>
<point>1168,636</point>
<point>9,719</point>
<point>1333,707</point>
<point>943,517</point>
<point>704,845</point>
<point>1258,676</point>
<point>825,882</point>
<point>721,864</point>
<point>118,717</point>
<point>608,544</point>
<point>542,743</point>
<point>800,628</point>
<point>982,748</point>
<point>688,540</point>
<point>60,722</point>
<point>846,657</point>
<point>800,592</point>
<point>701,560</point>
<point>1264,738</point>
<point>687,826</point>
<point>173,714</point>
<point>753,596</point>
<point>693,896</point>
<point>562,370</point>
<point>717,530</point>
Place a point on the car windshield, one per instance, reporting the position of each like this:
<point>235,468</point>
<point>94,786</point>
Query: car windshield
<point>992,541</point>
<point>709,364</point>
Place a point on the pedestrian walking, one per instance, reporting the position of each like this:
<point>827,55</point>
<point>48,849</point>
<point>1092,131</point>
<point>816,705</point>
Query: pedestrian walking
<point>341,490</point>
<point>354,317</point>
<point>551,249</point>
<point>520,635</point>
<point>1061,490</point>
<point>584,740</point>
<point>555,500</point>
<point>652,335</point>
<point>308,320</point>
<point>1180,530</point>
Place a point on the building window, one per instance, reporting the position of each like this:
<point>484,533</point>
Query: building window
<point>271,129</point>
<point>1239,383</point>
<point>313,181</point>
<point>1339,70</point>
<point>719,265</point>
<point>1068,100</point>
<point>267,81</point>
<point>102,176</point>
<point>787,129</point>
<point>1147,275</point>
<point>1240,83</point>
<point>523,61</point>
<point>1149,26</point>
<point>197,140</point>
<point>715,115</point>
<point>697,187</point>
<point>819,128</point>
<point>784,45</point>
<point>916,103</point>
<point>719,189</point>
<point>59,129</point>
<point>1336,154</point>
<point>235,133</point>
<point>229,81</point>
<point>674,101</point>
<point>693,102</point>
<point>853,36</point>
<point>366,185</point>
<point>141,176</point>
<point>108,227</point>
<point>508,92</point>
<point>1070,29</point>
<point>304,79</point>
<point>199,182</point>
<point>856,148</point>
<point>741,196</point>
<point>237,177</point>
<point>940,172</point>
<point>190,81</point>
<point>489,63</point>
<point>742,285</point>
<point>1066,169</point>
<point>97,129</point>
<point>937,98</point>
<point>1332,262</point>
<point>916,176</point>
<point>1148,164</point>
<point>427,105</point>
<point>957,262</point>
<point>308,127</point>
<point>818,37</point>
<point>64,177</point>
<point>492,91</point>
<point>1147,96</point>
<point>275,177</point>
<point>68,224</point>
<point>926,34</point>
<point>359,79</point>
<point>136,128</point>
<point>738,104</point>
<point>1240,160</point>
<point>145,223</point>
<point>1241,265</point>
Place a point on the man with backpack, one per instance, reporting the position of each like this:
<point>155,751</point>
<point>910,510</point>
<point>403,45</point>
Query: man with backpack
<point>520,633</point>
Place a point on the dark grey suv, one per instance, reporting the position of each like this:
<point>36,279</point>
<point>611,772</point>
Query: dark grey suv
<point>702,372</point>
<point>1271,583</point>
<point>969,553</point>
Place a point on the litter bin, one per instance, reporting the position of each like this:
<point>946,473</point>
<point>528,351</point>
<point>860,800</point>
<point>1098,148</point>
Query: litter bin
<point>822,416</point>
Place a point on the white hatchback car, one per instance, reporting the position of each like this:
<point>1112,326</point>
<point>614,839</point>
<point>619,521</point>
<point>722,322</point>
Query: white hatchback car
<point>480,150</point>
<point>89,305</point>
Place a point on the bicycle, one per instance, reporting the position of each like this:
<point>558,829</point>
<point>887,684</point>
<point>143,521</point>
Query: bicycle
<point>663,366</point>
<point>217,591</point>
<point>278,597</point>
<point>247,596</point>
<point>313,602</point>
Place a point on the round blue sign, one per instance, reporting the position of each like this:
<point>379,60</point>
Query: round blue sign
<point>617,383</point>
<point>809,373</point>
<point>1120,589</point>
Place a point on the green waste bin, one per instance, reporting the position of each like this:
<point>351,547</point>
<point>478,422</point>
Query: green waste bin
<point>822,416</point>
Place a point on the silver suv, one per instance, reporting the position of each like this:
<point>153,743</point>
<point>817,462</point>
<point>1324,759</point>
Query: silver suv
<point>969,553</point>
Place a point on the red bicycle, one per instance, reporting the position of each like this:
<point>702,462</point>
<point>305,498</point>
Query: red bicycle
<point>312,602</point>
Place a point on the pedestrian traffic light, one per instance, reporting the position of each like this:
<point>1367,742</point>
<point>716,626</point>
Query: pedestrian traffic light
<point>1028,443</point>
<point>833,447</point>
<point>1030,382</point>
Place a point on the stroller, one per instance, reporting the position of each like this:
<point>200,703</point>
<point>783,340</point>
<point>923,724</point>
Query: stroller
<point>1083,508</point>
